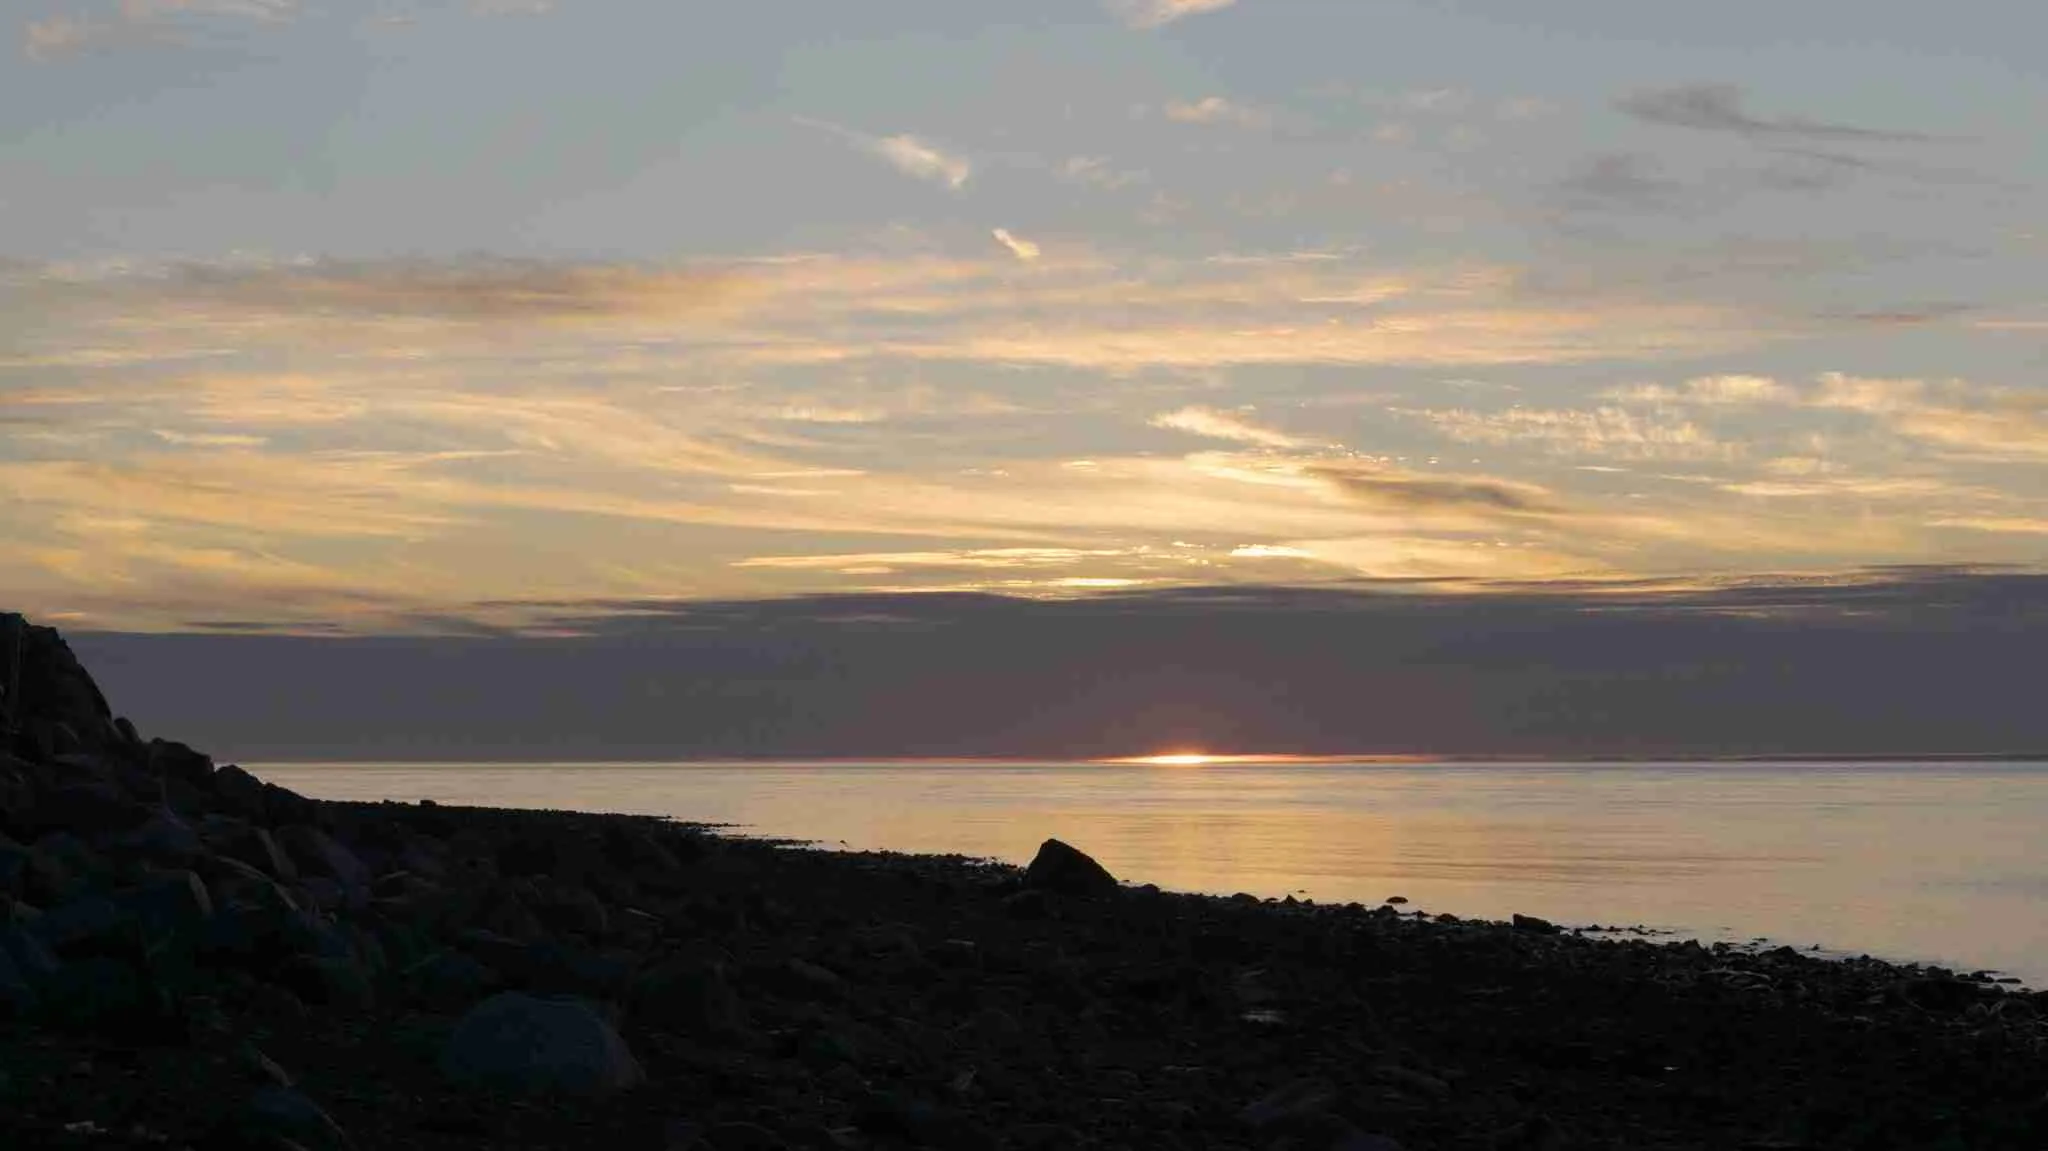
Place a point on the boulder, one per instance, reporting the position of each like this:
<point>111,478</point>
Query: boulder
<point>688,997</point>
<point>523,1044</point>
<point>173,760</point>
<point>1069,871</point>
<point>278,1112</point>
<point>87,808</point>
<point>162,838</point>
<point>239,792</point>
<point>255,847</point>
<point>318,853</point>
<point>175,904</point>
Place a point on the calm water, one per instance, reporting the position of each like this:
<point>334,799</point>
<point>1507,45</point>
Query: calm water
<point>1930,862</point>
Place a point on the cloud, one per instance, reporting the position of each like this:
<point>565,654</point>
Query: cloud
<point>1222,425</point>
<point>1021,248</point>
<point>1625,180</point>
<point>1719,108</point>
<point>914,157</point>
<point>910,155</point>
<point>1405,491</point>
<point>1956,416</point>
<point>1725,390</point>
<point>1607,431</point>
<point>1216,110</point>
<point>511,7</point>
<point>1083,312</point>
<point>1157,13</point>
<point>59,36</point>
<point>145,22</point>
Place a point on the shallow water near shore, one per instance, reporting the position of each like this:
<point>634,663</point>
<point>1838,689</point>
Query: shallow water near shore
<point>1937,862</point>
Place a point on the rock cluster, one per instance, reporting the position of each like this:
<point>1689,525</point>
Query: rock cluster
<point>192,958</point>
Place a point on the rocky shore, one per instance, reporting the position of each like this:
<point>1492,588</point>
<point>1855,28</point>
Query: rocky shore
<point>190,957</point>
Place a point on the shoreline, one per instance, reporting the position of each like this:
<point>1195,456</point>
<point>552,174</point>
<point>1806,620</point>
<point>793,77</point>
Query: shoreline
<point>192,957</point>
<point>779,994</point>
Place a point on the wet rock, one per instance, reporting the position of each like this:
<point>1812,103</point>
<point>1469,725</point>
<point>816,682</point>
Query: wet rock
<point>1069,871</point>
<point>520,1043</point>
<point>1533,925</point>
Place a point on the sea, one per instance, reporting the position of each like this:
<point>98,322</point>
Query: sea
<point>1942,863</point>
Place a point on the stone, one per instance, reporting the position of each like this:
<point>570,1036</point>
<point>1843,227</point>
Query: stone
<point>281,1112</point>
<point>256,847</point>
<point>1289,1103</point>
<point>449,980</point>
<point>334,981</point>
<point>174,760</point>
<point>178,903</point>
<point>86,809</point>
<point>574,908</point>
<point>30,955</point>
<point>318,853</point>
<point>687,996</point>
<point>1534,925</point>
<point>82,924</point>
<point>17,992</point>
<point>520,1043</point>
<point>239,792</point>
<point>1069,871</point>
<point>162,838</point>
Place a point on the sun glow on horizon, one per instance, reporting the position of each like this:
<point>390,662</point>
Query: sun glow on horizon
<point>1178,759</point>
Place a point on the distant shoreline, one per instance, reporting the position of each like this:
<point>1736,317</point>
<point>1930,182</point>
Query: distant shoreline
<point>1803,759</point>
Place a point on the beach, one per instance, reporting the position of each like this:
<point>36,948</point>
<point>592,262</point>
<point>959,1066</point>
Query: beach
<point>198,958</point>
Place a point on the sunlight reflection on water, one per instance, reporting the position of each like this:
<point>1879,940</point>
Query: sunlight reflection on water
<point>1932,862</point>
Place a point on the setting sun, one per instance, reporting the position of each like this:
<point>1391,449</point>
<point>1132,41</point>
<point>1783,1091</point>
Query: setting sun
<point>1179,759</point>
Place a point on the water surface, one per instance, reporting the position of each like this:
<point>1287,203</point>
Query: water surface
<point>1937,862</point>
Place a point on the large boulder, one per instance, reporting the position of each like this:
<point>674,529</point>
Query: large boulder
<point>318,853</point>
<point>524,1044</point>
<point>55,705</point>
<point>1068,871</point>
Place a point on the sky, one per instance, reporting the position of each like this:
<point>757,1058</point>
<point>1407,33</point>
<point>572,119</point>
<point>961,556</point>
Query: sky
<point>397,317</point>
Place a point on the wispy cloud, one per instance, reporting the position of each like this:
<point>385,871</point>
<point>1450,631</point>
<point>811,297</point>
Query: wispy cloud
<point>145,22</point>
<point>1607,431</point>
<point>1220,425</point>
<point>911,155</point>
<point>1721,108</point>
<point>1019,247</point>
<point>1155,13</point>
<point>1216,110</point>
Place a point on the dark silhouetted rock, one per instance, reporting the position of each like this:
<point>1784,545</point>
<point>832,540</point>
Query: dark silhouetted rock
<point>318,853</point>
<point>520,1043</point>
<point>239,792</point>
<point>1068,871</point>
<point>1532,924</point>
<point>281,1112</point>
<point>86,809</point>
<point>687,996</point>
